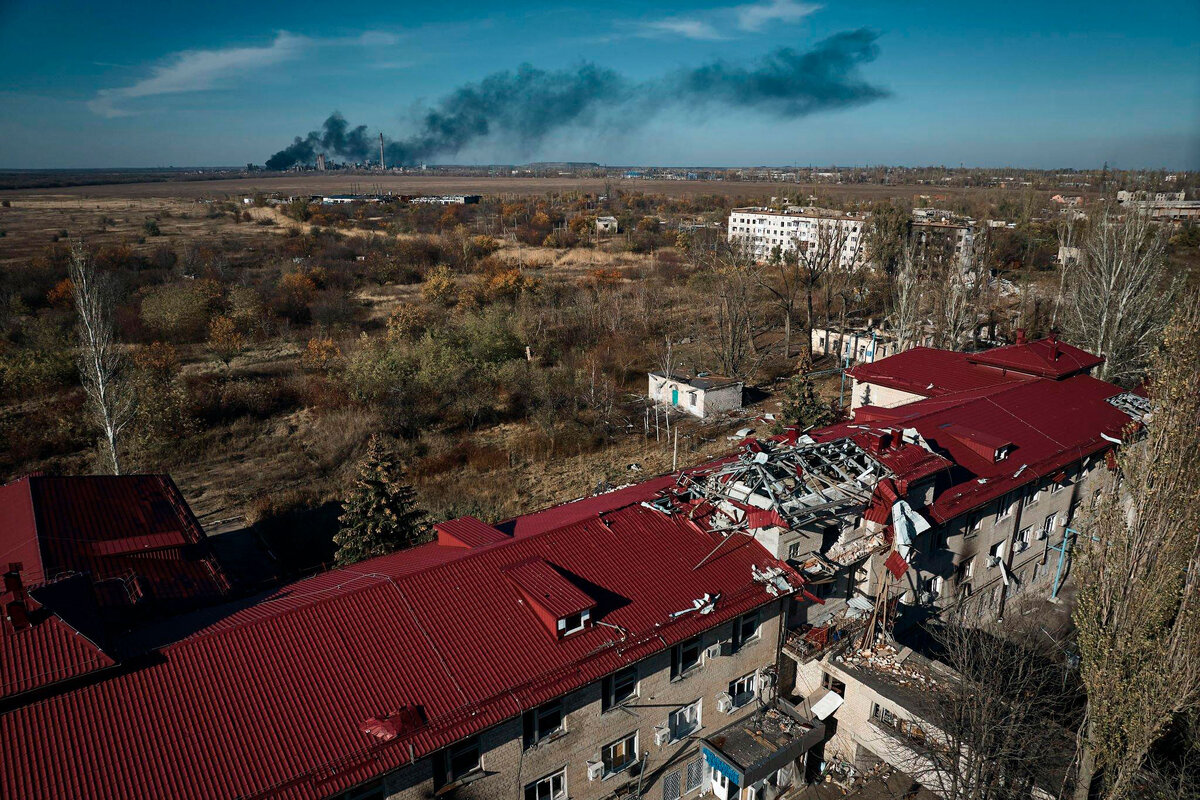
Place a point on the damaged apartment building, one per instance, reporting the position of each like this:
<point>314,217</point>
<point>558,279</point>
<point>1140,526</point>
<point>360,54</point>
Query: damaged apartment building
<point>667,639</point>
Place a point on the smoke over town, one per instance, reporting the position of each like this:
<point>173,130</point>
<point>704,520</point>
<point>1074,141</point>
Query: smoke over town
<point>530,104</point>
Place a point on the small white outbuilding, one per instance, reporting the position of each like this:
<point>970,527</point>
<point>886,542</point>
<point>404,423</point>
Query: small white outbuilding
<point>703,395</point>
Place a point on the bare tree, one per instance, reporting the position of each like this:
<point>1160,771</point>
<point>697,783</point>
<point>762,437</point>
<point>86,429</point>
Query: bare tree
<point>989,724</point>
<point>816,260</point>
<point>1067,245</point>
<point>1120,293</point>
<point>906,300</point>
<point>730,276</point>
<point>954,312</point>
<point>783,277</point>
<point>101,362</point>
<point>1139,599</point>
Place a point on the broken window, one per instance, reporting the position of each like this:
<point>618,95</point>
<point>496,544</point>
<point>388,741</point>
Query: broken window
<point>551,787</point>
<point>685,657</point>
<point>965,571</point>
<point>1048,526</point>
<point>742,689</point>
<point>1031,496</point>
<point>745,629</point>
<point>543,722</point>
<point>973,524</point>
<point>456,762</point>
<point>685,721</point>
<point>995,554</point>
<point>619,687</point>
<point>1007,503</point>
<point>1023,538</point>
<point>833,684</point>
<point>620,754</point>
<point>881,714</point>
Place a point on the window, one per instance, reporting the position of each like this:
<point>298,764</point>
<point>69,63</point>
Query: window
<point>1058,486</point>
<point>573,623</point>
<point>974,523</point>
<point>695,775</point>
<point>551,787</point>
<point>1006,506</point>
<point>456,762</point>
<point>618,688</point>
<point>832,684</point>
<point>745,629</point>
<point>684,721</point>
<point>995,554</point>
<point>794,550</point>
<point>881,714</point>
<point>685,657</point>
<point>1031,496</point>
<point>742,689</point>
<point>672,786</point>
<point>543,722</point>
<point>620,754</point>
<point>1023,538</point>
<point>1048,526</point>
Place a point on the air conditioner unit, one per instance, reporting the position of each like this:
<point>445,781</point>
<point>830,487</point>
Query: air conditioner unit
<point>662,735</point>
<point>724,703</point>
<point>993,561</point>
<point>1043,534</point>
<point>1022,546</point>
<point>927,598</point>
<point>595,770</point>
<point>712,652</point>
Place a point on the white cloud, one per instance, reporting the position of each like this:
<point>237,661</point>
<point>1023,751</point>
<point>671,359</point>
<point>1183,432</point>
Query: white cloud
<point>755,16</point>
<point>716,23</point>
<point>198,70</point>
<point>682,26</point>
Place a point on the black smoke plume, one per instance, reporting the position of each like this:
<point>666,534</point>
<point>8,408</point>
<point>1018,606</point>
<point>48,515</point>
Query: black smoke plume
<point>530,104</point>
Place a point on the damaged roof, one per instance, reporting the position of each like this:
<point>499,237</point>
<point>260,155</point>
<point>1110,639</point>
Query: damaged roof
<point>285,696</point>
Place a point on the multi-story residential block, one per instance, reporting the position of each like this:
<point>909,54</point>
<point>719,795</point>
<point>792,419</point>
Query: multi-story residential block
<point>586,651</point>
<point>762,230</point>
<point>655,640</point>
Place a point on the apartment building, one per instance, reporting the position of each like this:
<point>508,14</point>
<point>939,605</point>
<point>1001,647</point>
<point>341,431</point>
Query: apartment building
<point>942,237</point>
<point>761,230</point>
<point>591,650</point>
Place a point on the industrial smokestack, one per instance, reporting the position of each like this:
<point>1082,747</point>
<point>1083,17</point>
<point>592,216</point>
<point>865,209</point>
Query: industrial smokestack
<point>381,164</point>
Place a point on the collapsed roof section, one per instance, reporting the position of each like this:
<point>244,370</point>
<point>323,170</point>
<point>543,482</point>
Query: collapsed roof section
<point>796,485</point>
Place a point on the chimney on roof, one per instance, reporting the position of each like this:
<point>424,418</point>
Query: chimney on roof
<point>1020,336</point>
<point>1054,345</point>
<point>16,610</point>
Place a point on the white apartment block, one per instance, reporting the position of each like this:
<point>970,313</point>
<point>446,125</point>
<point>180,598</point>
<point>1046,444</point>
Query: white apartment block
<point>800,228</point>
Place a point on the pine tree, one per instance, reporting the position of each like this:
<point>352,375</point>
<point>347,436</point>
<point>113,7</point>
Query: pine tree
<point>802,406</point>
<point>380,515</point>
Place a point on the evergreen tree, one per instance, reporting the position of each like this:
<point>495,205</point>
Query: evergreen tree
<point>380,515</point>
<point>802,406</point>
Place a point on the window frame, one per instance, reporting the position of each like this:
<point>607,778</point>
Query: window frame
<point>561,774</point>
<point>534,733</point>
<point>628,741</point>
<point>740,639</point>
<point>608,687</point>
<point>448,755</point>
<point>678,670</point>
<point>696,707</point>
<point>748,694</point>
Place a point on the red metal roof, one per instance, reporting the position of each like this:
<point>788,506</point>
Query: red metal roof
<point>1046,358</point>
<point>931,373</point>
<point>278,698</point>
<point>467,532</point>
<point>111,527</point>
<point>1049,423</point>
<point>94,553</point>
<point>548,589</point>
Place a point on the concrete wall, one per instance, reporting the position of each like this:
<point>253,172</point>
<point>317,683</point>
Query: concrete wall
<point>864,349</point>
<point>506,767</point>
<point>697,402</point>
<point>879,396</point>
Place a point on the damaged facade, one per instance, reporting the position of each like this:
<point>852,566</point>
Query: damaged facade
<point>663,639</point>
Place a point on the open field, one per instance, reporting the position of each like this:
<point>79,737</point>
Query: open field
<point>299,183</point>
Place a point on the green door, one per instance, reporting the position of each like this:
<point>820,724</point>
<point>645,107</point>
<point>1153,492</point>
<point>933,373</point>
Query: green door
<point>674,397</point>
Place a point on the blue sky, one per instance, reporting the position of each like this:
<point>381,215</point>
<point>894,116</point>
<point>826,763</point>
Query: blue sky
<point>214,83</point>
